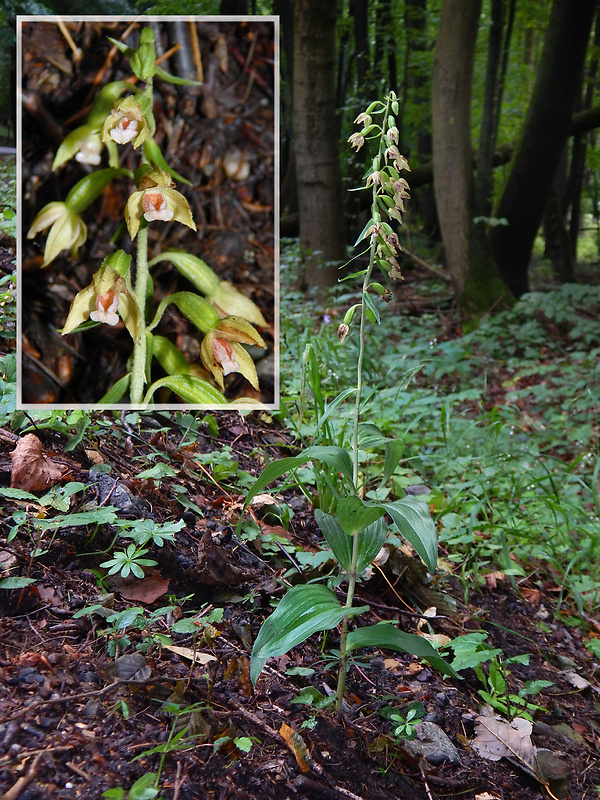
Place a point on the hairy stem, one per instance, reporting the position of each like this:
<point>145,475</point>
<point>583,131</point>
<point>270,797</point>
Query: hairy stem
<point>138,369</point>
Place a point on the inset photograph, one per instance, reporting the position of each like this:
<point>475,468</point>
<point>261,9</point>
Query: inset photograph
<point>149,212</point>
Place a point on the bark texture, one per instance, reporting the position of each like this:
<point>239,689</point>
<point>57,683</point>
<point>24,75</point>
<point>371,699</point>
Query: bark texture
<point>546,128</point>
<point>316,141</point>
<point>477,285</point>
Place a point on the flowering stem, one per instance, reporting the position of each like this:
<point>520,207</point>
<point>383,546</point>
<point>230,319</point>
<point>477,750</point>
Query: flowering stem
<point>138,368</point>
<point>138,371</point>
<point>341,685</point>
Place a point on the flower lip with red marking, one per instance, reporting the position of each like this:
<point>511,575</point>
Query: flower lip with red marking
<point>155,206</point>
<point>225,356</point>
<point>106,307</point>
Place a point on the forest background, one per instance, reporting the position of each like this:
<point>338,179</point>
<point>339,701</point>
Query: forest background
<point>485,364</point>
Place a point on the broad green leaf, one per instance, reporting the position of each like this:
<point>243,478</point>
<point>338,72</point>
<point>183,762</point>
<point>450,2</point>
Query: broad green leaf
<point>386,635</point>
<point>354,515</point>
<point>369,436</point>
<point>332,455</point>
<point>371,540</point>
<point>394,449</point>
<point>304,610</point>
<point>414,523</point>
<point>104,515</point>
<point>15,583</point>
<point>340,542</point>
<point>158,471</point>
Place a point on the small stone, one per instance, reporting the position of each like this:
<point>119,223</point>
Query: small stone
<point>555,771</point>
<point>432,744</point>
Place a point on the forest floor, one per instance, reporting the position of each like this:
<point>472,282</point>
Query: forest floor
<point>76,721</point>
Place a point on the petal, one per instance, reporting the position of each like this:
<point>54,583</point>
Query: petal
<point>46,217</point>
<point>134,213</point>
<point>180,207</point>
<point>81,308</point>
<point>236,329</point>
<point>68,233</point>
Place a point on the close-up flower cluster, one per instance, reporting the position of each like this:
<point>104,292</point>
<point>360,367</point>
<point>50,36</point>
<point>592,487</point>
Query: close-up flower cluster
<point>148,270</point>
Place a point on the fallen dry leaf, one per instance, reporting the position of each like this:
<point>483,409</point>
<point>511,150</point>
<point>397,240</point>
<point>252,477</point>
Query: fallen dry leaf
<point>146,591</point>
<point>192,655</point>
<point>31,470</point>
<point>578,681</point>
<point>492,579</point>
<point>533,596</point>
<point>496,739</point>
<point>296,744</point>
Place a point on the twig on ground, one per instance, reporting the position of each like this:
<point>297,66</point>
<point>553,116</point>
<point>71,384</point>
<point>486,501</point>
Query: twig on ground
<point>23,782</point>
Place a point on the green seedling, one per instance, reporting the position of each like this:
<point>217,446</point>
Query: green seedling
<point>143,789</point>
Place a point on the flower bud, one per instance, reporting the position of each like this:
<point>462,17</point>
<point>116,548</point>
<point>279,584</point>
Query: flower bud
<point>67,230</point>
<point>343,331</point>
<point>83,143</point>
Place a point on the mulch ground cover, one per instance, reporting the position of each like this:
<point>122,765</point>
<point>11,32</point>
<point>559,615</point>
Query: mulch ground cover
<point>77,720</point>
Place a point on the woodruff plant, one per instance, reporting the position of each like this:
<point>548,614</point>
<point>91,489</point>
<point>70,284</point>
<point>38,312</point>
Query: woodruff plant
<point>358,528</point>
<point>118,289</point>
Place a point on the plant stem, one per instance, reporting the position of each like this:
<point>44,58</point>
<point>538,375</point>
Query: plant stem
<point>341,685</point>
<point>138,369</point>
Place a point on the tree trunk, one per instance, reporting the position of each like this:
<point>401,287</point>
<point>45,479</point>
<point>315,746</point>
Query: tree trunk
<point>417,82</point>
<point>477,285</point>
<point>558,241</point>
<point>544,136</point>
<point>316,141</point>
<point>491,114</point>
<point>575,182</point>
<point>359,10</point>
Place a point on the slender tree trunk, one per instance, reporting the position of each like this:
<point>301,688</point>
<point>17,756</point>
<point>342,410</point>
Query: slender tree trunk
<point>544,136</point>
<point>289,190</point>
<point>320,203</point>
<point>417,80</point>
<point>359,9</point>
<point>477,285</point>
<point>487,138</point>
<point>572,198</point>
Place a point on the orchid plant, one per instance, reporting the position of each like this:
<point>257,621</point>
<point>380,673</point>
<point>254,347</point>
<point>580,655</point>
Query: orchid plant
<point>121,290</point>
<point>357,530</point>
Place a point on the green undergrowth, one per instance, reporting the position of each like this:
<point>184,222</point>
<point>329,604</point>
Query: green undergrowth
<point>500,425</point>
